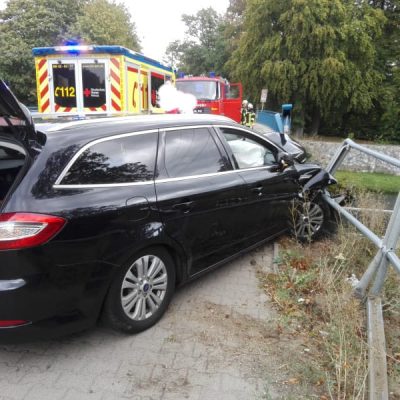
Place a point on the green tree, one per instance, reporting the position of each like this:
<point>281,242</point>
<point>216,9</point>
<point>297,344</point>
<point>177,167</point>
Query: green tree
<point>382,122</point>
<point>318,54</point>
<point>229,31</point>
<point>105,22</point>
<point>388,106</point>
<point>197,54</point>
<point>233,25</point>
<point>25,24</point>
<point>210,40</point>
<point>173,54</point>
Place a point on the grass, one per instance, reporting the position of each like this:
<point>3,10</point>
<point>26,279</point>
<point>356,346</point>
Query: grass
<point>376,182</point>
<point>313,292</point>
<point>314,296</point>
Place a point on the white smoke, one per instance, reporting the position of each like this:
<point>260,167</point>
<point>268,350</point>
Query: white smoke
<point>170,98</point>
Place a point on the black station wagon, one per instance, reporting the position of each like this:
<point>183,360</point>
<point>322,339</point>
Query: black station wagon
<point>105,217</point>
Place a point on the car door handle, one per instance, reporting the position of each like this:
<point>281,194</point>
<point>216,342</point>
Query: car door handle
<point>257,189</point>
<point>184,207</point>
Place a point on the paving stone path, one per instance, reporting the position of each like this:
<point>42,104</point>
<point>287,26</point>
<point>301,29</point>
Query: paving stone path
<point>214,342</point>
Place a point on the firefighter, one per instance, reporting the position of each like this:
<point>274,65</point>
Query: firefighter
<point>250,116</point>
<point>244,112</point>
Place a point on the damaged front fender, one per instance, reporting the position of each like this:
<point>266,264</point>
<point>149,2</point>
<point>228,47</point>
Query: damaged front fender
<point>320,180</point>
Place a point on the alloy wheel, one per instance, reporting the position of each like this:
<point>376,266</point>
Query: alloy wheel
<point>144,287</point>
<point>309,220</point>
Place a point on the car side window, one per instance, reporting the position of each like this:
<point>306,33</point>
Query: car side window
<point>122,160</point>
<point>192,152</point>
<point>247,152</point>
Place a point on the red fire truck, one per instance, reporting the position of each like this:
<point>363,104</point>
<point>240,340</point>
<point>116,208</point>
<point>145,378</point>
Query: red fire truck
<point>214,95</point>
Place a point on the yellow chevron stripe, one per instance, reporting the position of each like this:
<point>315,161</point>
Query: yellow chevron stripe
<point>42,85</point>
<point>115,79</point>
<point>93,109</point>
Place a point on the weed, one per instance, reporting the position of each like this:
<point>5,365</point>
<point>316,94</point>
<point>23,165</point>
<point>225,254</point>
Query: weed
<point>170,339</point>
<point>315,297</point>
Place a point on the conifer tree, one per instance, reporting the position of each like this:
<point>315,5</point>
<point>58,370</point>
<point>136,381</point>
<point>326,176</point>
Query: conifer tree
<point>318,54</point>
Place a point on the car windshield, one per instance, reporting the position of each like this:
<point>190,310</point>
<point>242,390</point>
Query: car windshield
<point>202,90</point>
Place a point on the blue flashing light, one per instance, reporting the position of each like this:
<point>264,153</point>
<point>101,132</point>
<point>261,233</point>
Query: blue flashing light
<point>181,74</point>
<point>287,107</point>
<point>71,42</point>
<point>212,74</point>
<point>74,49</point>
<point>98,49</point>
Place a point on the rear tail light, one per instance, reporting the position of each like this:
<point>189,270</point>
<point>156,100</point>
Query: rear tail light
<point>12,323</point>
<point>21,230</point>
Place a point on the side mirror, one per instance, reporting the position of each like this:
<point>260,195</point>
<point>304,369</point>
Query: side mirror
<point>285,160</point>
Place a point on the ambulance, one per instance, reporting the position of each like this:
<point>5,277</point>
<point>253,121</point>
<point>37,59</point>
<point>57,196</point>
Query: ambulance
<point>109,80</point>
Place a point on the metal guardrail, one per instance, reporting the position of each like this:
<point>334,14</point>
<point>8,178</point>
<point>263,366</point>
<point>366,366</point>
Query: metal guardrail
<point>375,275</point>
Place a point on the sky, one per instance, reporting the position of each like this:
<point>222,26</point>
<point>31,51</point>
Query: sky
<point>158,22</point>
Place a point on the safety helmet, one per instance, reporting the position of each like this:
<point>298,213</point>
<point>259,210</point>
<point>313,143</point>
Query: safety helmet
<point>250,106</point>
<point>244,103</point>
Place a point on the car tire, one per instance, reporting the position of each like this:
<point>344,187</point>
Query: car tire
<point>311,220</point>
<point>141,291</point>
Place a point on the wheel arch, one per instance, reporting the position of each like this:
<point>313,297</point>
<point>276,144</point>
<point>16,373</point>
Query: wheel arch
<point>327,226</point>
<point>177,254</point>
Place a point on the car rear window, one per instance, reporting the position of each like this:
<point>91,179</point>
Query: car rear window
<point>122,160</point>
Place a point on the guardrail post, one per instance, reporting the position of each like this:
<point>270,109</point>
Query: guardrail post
<point>360,290</point>
<point>378,382</point>
<point>389,242</point>
<point>338,158</point>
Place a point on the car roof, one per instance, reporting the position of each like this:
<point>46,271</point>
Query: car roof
<point>84,131</point>
<point>200,78</point>
<point>145,120</point>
